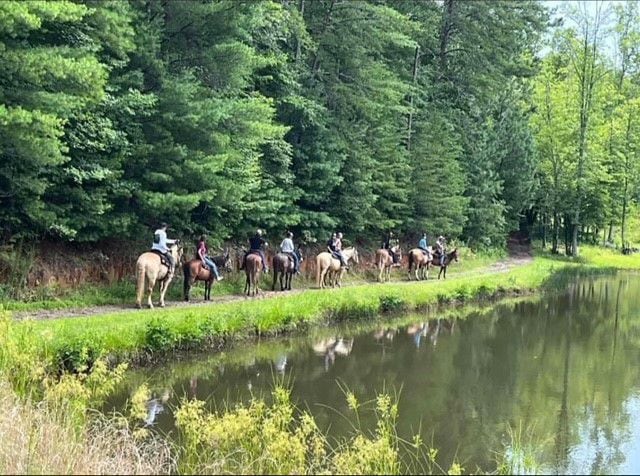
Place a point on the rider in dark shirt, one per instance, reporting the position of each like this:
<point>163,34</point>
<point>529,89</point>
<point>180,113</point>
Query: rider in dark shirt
<point>256,242</point>
<point>388,244</point>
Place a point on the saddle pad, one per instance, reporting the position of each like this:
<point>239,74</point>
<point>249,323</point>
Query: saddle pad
<point>163,258</point>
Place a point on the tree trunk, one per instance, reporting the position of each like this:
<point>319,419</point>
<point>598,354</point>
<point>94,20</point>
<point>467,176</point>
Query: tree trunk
<point>298,43</point>
<point>445,34</point>
<point>555,233</point>
<point>416,58</point>
<point>568,250</point>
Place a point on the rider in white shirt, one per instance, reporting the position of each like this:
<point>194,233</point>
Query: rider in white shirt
<point>287,247</point>
<point>161,243</point>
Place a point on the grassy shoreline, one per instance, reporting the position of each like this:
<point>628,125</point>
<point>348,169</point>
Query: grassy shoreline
<point>138,336</point>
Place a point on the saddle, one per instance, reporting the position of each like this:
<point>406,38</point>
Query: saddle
<point>163,258</point>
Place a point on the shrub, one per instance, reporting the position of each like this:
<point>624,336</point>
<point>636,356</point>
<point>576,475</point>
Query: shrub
<point>158,336</point>
<point>392,304</point>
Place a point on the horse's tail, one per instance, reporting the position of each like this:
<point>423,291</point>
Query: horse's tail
<point>140,276</point>
<point>318,270</point>
<point>410,260</point>
<point>186,269</point>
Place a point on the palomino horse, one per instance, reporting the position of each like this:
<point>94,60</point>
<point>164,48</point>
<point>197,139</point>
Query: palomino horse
<point>252,268</point>
<point>420,260</point>
<point>194,271</point>
<point>150,266</point>
<point>384,261</point>
<point>329,267</point>
<point>283,265</point>
<point>448,258</point>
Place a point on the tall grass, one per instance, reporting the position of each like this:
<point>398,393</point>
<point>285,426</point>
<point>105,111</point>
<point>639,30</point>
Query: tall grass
<point>42,438</point>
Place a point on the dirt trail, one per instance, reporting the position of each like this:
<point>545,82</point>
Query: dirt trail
<point>501,266</point>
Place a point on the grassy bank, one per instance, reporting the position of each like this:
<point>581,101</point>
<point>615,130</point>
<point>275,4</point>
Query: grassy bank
<point>75,342</point>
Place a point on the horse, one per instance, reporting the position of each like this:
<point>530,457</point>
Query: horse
<point>252,268</point>
<point>283,265</point>
<point>150,266</point>
<point>326,264</point>
<point>421,260</point>
<point>448,258</point>
<point>194,271</point>
<point>384,261</point>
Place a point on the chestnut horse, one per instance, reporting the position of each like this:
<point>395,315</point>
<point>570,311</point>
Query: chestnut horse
<point>149,267</point>
<point>384,261</point>
<point>329,267</point>
<point>194,271</point>
<point>252,268</point>
<point>421,260</point>
<point>283,265</point>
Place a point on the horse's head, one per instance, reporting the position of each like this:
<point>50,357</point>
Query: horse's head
<point>454,255</point>
<point>299,254</point>
<point>177,251</point>
<point>356,258</point>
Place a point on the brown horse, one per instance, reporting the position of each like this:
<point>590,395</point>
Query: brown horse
<point>419,261</point>
<point>448,259</point>
<point>384,261</point>
<point>329,267</point>
<point>252,268</point>
<point>283,266</point>
<point>150,267</point>
<point>194,270</point>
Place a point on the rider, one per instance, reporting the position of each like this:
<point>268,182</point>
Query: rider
<point>388,244</point>
<point>441,244</point>
<point>337,245</point>
<point>255,246</point>
<point>422,244</point>
<point>161,243</point>
<point>287,248</point>
<point>202,254</point>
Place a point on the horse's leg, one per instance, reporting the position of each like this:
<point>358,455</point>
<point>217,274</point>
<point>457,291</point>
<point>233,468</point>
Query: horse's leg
<point>246,284</point>
<point>275,278</point>
<point>164,285</point>
<point>151,282</point>
<point>323,275</point>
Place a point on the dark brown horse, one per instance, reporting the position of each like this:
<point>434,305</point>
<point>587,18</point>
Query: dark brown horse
<point>194,271</point>
<point>252,268</point>
<point>448,258</point>
<point>283,266</point>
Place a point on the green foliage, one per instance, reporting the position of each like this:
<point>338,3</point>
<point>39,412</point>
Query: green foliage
<point>224,116</point>
<point>158,336</point>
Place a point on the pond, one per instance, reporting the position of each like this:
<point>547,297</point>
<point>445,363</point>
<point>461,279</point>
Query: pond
<point>558,372</point>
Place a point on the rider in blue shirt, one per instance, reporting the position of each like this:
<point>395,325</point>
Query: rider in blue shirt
<point>422,244</point>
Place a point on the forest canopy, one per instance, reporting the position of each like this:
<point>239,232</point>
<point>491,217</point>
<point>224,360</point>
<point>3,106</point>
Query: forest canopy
<point>468,119</point>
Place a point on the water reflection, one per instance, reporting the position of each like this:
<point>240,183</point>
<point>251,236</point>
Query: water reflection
<point>155,406</point>
<point>332,346</point>
<point>565,369</point>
